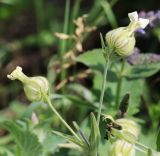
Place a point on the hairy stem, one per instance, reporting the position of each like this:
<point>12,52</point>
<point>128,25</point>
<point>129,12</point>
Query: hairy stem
<point>102,90</point>
<point>47,99</point>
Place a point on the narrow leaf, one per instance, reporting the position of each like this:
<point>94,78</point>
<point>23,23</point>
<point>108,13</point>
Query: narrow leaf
<point>109,13</point>
<point>94,136</point>
<point>85,139</point>
<point>102,41</point>
<point>70,138</point>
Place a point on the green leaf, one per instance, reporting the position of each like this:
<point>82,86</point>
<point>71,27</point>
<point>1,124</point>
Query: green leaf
<point>143,70</point>
<point>26,141</point>
<point>94,136</point>
<point>93,59</point>
<point>109,13</point>
<point>50,144</point>
<point>80,102</point>
<point>71,139</point>
<point>84,138</point>
<point>135,88</point>
<point>81,91</point>
<point>158,141</point>
<point>5,152</point>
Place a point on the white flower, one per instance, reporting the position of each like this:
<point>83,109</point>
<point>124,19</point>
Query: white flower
<point>136,22</point>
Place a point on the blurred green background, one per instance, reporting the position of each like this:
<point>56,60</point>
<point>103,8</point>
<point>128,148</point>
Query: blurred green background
<point>27,39</point>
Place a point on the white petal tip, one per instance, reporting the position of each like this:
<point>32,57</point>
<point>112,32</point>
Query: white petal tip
<point>133,16</point>
<point>19,68</point>
<point>143,22</point>
<point>10,77</point>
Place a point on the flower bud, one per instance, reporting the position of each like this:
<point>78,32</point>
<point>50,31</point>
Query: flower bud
<point>122,148</point>
<point>122,39</point>
<point>129,131</point>
<point>33,86</point>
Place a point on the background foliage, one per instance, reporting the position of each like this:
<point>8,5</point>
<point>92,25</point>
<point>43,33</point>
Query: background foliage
<point>74,68</point>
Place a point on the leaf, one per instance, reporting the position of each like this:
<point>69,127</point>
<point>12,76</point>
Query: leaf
<point>109,13</point>
<point>5,152</point>
<point>51,143</point>
<point>71,139</point>
<point>93,59</point>
<point>94,136</point>
<point>81,91</point>
<point>143,70</point>
<point>158,141</point>
<point>80,102</point>
<point>26,141</point>
<point>85,139</point>
<point>135,88</point>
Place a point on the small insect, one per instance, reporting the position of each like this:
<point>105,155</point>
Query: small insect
<point>110,123</point>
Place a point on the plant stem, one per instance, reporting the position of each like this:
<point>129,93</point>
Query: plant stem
<point>40,13</point>
<point>47,99</point>
<point>63,43</point>
<point>145,149</point>
<point>103,90</point>
<point>119,84</point>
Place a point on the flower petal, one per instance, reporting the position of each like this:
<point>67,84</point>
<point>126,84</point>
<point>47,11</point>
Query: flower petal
<point>133,16</point>
<point>143,22</point>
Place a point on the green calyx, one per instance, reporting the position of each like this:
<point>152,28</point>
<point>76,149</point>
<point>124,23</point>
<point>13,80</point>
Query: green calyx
<point>33,86</point>
<point>122,39</point>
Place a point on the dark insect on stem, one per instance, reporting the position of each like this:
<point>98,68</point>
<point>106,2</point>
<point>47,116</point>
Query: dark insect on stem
<point>109,127</point>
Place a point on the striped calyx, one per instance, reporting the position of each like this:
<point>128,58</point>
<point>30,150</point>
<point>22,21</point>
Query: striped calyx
<point>122,39</point>
<point>34,87</point>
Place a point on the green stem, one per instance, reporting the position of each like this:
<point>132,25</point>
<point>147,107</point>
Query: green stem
<point>47,99</point>
<point>145,149</point>
<point>63,43</point>
<point>103,90</point>
<point>39,11</point>
<point>119,84</point>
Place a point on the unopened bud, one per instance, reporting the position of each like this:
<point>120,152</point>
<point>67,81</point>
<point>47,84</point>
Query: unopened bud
<point>33,86</point>
<point>122,39</point>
